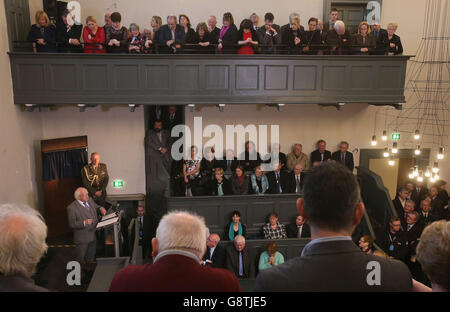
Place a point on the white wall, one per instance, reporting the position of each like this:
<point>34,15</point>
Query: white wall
<point>19,138</point>
<point>114,132</point>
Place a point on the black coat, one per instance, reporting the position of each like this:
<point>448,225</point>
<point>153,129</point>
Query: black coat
<point>418,196</point>
<point>63,36</point>
<point>224,164</point>
<point>348,160</point>
<point>313,39</point>
<point>165,34</point>
<point>240,188</point>
<point>288,40</point>
<point>287,182</point>
<point>339,44</point>
<point>229,40</point>
<point>250,164</point>
<point>232,261</point>
<point>227,229</point>
<point>48,34</point>
<point>269,43</point>
<point>208,37</point>
<point>430,218</point>
<point>282,159</point>
<point>315,156</point>
<point>168,123</point>
<point>215,35</point>
<point>190,36</point>
<point>383,44</point>
<point>218,258</point>
<point>398,242</point>
<point>358,43</point>
<point>226,187</point>
<point>292,230</point>
<point>437,208</point>
<point>413,235</point>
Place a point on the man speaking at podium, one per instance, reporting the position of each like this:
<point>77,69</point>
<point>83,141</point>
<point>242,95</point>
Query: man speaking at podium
<point>82,216</point>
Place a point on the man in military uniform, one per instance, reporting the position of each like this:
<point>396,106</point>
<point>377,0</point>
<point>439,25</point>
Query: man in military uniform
<point>95,179</point>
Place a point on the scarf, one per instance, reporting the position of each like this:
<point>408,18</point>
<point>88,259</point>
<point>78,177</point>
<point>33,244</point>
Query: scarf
<point>231,231</point>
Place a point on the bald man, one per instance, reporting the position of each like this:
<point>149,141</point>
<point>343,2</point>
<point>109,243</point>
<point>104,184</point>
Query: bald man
<point>83,218</point>
<point>215,253</point>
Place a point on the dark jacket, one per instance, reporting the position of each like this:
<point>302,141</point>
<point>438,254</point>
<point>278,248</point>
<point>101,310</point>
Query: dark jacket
<point>333,266</point>
<point>286,180</point>
<point>63,36</point>
<point>315,156</point>
<point>282,159</point>
<point>377,35</point>
<point>190,36</point>
<point>18,283</point>
<point>250,162</point>
<point>288,40</point>
<point>358,42</point>
<point>48,34</point>
<point>339,44</point>
<point>120,35</point>
<point>240,188</point>
<point>254,38</point>
<point>292,230</point>
<point>383,44</point>
<point>165,34</point>
<point>215,35</point>
<point>430,218</point>
<point>313,39</point>
<point>393,245</point>
<point>224,164</point>
<point>218,258</point>
<point>269,42</point>
<point>226,187</point>
<point>232,261</point>
<point>229,40</point>
<point>348,160</point>
<point>208,37</point>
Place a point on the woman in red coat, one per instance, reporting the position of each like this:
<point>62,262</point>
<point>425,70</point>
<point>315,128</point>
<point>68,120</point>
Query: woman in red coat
<point>93,37</point>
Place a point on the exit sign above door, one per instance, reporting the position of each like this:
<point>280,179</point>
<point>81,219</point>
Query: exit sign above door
<point>118,184</point>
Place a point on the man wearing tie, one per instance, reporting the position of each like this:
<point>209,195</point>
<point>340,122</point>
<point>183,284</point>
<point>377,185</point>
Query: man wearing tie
<point>320,154</point>
<point>239,259</point>
<point>140,228</point>
<point>280,182</point>
<point>215,253</point>
<point>298,178</point>
<point>426,217</point>
<point>171,118</point>
<point>82,218</point>
<point>299,229</point>
<point>344,156</point>
<point>230,163</point>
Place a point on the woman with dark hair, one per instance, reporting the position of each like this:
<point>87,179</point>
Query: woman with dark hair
<point>191,173</point>
<point>204,39</point>
<point>116,35</point>
<point>250,158</point>
<point>228,35</point>
<point>247,37</point>
<point>366,244</point>
<point>43,33</point>
<point>189,37</point>
<point>270,258</point>
<point>235,227</point>
<point>240,182</point>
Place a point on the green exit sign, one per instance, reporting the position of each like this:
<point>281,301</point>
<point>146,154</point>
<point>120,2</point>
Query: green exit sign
<point>395,136</point>
<point>118,183</point>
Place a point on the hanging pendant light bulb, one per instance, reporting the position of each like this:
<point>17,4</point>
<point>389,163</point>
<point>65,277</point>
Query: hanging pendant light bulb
<point>394,148</point>
<point>427,172</point>
<point>440,154</point>
<point>416,171</point>
<point>384,137</point>
<point>416,135</point>
<point>386,152</point>
<point>391,161</point>
<point>374,140</point>
<point>420,177</point>
<point>411,174</point>
<point>417,151</point>
<point>435,168</point>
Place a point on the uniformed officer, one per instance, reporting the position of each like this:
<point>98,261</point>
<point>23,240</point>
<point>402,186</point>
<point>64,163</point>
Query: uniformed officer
<point>95,179</point>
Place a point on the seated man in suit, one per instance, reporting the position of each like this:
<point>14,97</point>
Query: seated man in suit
<point>298,179</point>
<point>426,217</point>
<point>393,241</point>
<point>400,200</point>
<point>298,229</point>
<point>230,162</point>
<point>177,251</point>
<point>344,156</point>
<point>280,182</point>
<point>269,35</point>
<point>409,208</point>
<point>215,253</point>
<point>331,261</point>
<point>239,259</point>
<point>413,230</point>
<point>297,157</point>
<point>276,156</point>
<point>22,245</point>
<point>159,141</point>
<point>320,154</point>
<point>171,36</point>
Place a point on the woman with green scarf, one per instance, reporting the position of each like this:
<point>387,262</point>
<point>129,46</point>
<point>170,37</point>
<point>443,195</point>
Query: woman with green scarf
<point>235,227</point>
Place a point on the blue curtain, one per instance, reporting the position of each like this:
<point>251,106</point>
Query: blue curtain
<point>64,164</point>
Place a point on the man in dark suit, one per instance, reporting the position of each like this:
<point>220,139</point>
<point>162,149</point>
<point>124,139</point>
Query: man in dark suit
<point>339,40</point>
<point>23,234</point>
<point>280,182</point>
<point>298,229</point>
<point>215,253</point>
<point>426,217</point>
<point>409,208</point>
<point>159,141</point>
<point>239,259</point>
<point>213,30</point>
<point>393,241</point>
<point>176,262</point>
<point>320,154</point>
<point>269,35</point>
<point>331,261</point>
<point>419,193</point>
<point>400,200</point>
<point>68,34</point>
<point>297,179</point>
<point>171,36</point>
<point>344,156</point>
<point>230,162</point>
<point>82,216</point>
<point>171,118</point>
<point>437,206</point>
<point>414,229</point>
<point>140,233</point>
<point>377,31</point>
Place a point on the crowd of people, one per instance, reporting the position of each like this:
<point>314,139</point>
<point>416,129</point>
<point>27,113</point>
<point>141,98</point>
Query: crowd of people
<point>179,36</point>
<point>187,258</point>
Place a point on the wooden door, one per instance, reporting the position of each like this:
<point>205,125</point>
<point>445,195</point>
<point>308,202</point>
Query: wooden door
<point>18,25</point>
<point>352,15</point>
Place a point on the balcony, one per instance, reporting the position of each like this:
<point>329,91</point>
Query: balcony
<point>111,79</point>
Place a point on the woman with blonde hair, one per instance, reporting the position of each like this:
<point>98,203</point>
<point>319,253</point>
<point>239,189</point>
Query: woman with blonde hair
<point>363,42</point>
<point>390,43</point>
<point>93,37</point>
<point>43,34</point>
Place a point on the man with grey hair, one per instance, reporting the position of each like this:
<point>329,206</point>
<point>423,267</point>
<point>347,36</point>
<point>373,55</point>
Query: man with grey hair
<point>297,157</point>
<point>215,253</point>
<point>240,260</point>
<point>94,177</point>
<point>294,18</point>
<point>171,36</point>
<point>22,244</point>
<point>344,156</point>
<point>213,29</point>
<point>178,249</point>
<point>82,216</point>
<point>338,39</point>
